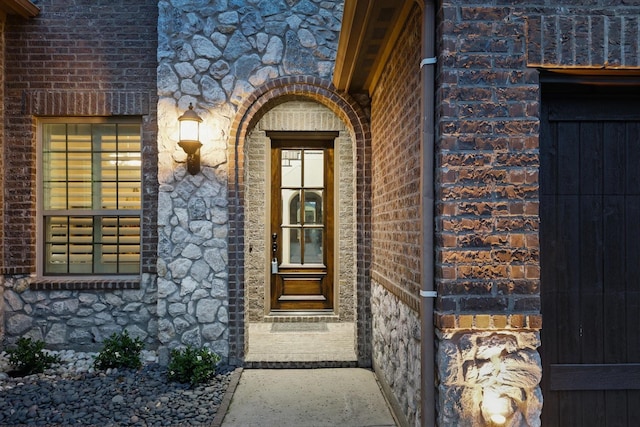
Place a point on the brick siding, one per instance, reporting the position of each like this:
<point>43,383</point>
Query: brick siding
<point>102,65</point>
<point>396,221</point>
<point>608,41</point>
<point>487,154</point>
<point>487,164</point>
<point>395,118</point>
<point>2,150</point>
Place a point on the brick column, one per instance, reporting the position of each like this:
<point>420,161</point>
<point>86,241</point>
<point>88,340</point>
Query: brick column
<point>487,260</point>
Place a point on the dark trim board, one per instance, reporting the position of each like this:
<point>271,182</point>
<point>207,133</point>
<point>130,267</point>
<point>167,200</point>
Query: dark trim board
<point>620,376</point>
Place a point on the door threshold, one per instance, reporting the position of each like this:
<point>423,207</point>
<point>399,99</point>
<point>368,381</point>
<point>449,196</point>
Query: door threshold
<point>311,364</point>
<point>302,316</point>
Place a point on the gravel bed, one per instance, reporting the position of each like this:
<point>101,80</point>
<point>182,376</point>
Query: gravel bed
<point>73,393</point>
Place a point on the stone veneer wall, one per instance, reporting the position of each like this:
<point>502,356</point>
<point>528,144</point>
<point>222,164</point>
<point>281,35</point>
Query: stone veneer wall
<point>79,319</point>
<point>214,54</point>
<point>475,366</point>
<point>396,352</point>
<point>296,116</point>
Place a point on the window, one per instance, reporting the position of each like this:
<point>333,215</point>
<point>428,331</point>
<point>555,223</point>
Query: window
<point>90,197</point>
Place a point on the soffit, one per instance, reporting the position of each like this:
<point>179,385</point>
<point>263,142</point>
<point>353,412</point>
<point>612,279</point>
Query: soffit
<point>23,8</point>
<point>369,31</point>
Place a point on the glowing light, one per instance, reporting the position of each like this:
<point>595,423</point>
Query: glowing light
<point>189,130</point>
<point>190,125</point>
<point>190,138</point>
<point>498,419</point>
<point>496,407</point>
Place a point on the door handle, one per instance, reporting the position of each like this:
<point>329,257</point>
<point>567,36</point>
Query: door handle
<point>274,249</point>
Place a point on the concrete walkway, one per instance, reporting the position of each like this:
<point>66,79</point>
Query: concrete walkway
<point>301,342</point>
<point>345,397</point>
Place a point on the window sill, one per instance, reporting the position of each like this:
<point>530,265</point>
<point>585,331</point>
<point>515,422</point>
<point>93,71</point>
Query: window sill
<point>58,284</point>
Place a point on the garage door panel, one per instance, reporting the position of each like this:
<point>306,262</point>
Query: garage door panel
<point>590,260</point>
<point>632,159</point>
<point>568,149</point>
<point>591,154</point>
<point>614,155</point>
<point>633,408</point>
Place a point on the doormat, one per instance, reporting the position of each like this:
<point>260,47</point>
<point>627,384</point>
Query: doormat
<point>299,327</point>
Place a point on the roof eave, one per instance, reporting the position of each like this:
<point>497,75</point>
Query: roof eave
<point>354,20</point>
<point>357,69</point>
<point>23,8</point>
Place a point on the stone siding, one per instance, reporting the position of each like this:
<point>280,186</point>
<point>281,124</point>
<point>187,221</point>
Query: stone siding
<point>66,319</point>
<point>475,366</point>
<point>67,62</point>
<point>216,55</point>
<point>296,116</point>
<point>396,352</point>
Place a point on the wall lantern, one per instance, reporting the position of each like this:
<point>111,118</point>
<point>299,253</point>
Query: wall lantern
<point>190,138</point>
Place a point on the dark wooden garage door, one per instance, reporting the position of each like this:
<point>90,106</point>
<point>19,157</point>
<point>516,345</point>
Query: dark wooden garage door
<point>590,256</point>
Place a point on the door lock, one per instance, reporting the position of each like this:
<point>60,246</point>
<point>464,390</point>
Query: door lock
<point>274,249</point>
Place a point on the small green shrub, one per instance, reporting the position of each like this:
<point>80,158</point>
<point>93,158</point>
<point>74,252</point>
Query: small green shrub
<point>119,351</point>
<point>192,366</point>
<point>28,358</point>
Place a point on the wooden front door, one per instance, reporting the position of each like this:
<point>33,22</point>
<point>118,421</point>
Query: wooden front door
<point>301,221</point>
<point>590,256</point>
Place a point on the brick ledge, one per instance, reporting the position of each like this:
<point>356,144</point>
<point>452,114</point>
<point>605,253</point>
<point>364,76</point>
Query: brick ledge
<point>84,285</point>
<point>488,321</point>
<point>15,271</point>
<point>412,301</point>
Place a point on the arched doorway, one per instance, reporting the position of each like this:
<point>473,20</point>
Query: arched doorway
<point>299,238</point>
<point>286,109</point>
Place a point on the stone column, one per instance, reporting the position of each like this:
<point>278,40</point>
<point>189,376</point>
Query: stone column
<point>489,375</point>
<point>214,54</point>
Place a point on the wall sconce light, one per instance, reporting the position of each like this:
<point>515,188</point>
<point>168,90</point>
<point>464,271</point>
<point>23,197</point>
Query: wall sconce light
<point>190,138</point>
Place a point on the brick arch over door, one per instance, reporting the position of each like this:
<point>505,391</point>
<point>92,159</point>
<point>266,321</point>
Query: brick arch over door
<point>249,113</point>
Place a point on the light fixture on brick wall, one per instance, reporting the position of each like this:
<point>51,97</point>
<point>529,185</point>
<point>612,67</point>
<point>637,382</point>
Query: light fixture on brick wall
<point>190,138</point>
